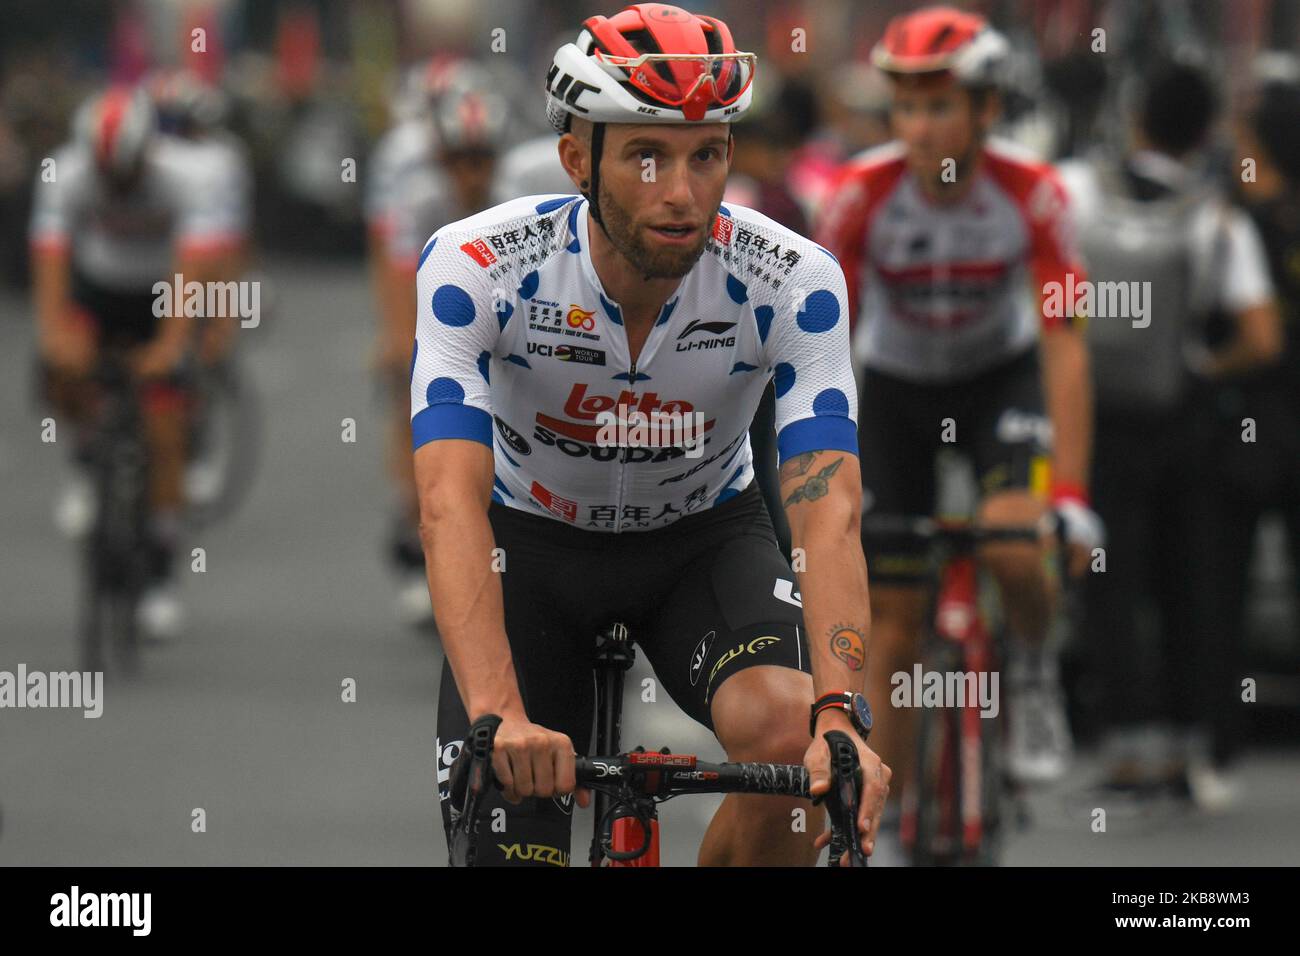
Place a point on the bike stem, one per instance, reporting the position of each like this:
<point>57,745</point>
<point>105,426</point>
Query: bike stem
<point>614,657</point>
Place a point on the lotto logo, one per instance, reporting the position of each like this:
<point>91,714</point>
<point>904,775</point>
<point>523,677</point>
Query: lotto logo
<point>478,251</point>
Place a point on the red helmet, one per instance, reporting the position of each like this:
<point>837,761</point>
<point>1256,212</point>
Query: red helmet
<point>116,128</point>
<point>943,40</point>
<point>650,63</point>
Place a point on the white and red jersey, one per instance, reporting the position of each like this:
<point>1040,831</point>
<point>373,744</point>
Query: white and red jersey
<point>128,241</point>
<point>940,293</point>
<point>403,150</point>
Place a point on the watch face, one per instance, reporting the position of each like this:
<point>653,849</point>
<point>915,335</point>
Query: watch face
<point>862,711</point>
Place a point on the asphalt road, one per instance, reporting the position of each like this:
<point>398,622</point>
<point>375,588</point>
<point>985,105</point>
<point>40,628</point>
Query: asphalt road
<point>244,716</point>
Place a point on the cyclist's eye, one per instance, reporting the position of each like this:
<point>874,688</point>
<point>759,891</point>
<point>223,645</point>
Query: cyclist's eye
<point>706,155</point>
<point>647,154</point>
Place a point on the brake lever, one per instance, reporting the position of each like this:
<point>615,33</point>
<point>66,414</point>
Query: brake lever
<point>843,799</point>
<point>471,774</point>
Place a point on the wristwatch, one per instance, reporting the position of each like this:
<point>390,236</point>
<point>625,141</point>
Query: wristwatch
<point>855,705</point>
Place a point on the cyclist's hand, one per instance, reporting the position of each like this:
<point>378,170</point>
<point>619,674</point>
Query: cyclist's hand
<point>70,349</point>
<point>1083,532</point>
<point>875,781</point>
<point>531,761</point>
<point>159,358</point>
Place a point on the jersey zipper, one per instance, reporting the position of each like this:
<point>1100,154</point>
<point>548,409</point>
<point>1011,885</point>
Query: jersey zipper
<point>622,466</point>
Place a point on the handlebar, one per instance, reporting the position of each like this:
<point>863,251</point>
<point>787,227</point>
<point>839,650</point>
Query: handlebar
<point>639,776</point>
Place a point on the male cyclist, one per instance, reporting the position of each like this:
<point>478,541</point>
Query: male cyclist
<point>121,210</point>
<point>947,240</point>
<point>548,328</point>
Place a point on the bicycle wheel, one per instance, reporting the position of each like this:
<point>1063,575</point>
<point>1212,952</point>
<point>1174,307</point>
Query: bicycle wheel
<point>226,442</point>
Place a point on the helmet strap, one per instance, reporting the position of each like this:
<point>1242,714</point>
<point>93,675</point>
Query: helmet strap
<point>593,194</point>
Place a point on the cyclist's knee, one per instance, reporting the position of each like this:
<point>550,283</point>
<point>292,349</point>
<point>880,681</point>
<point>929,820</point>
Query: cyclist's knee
<point>1012,561</point>
<point>761,714</point>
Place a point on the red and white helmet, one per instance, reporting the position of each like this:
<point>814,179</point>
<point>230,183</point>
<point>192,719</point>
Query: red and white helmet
<point>117,127</point>
<point>470,117</point>
<point>650,63</point>
<point>943,40</point>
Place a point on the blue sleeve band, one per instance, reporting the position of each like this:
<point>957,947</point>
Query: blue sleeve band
<point>819,433</point>
<point>451,421</point>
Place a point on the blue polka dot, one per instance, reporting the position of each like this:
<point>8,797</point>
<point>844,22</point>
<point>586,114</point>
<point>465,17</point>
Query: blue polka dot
<point>483,359</point>
<point>504,311</point>
<point>453,306</point>
<point>726,494</point>
<point>612,311</point>
<point>831,401</point>
<point>497,498</point>
<point>415,350</point>
<point>427,249</point>
<point>736,289</point>
<point>763,315</point>
<point>507,457</point>
<point>551,205</point>
<point>742,367</point>
<point>518,360</point>
<point>724,210</point>
<point>575,245</point>
<point>829,253</point>
<point>444,391</point>
<point>667,310</point>
<point>784,379</point>
<point>528,288</point>
<point>821,310</point>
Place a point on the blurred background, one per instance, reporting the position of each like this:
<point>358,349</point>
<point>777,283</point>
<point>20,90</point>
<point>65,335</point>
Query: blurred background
<point>303,588</point>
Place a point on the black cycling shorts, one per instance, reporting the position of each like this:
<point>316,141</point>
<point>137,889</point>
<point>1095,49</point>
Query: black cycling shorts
<point>700,598</point>
<point>123,318</point>
<point>998,420</point>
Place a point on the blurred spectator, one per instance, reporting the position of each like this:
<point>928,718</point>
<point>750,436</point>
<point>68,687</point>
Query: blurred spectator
<point>1152,221</point>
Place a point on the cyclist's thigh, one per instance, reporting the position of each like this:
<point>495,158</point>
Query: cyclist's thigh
<point>896,453</point>
<point>122,318</point>
<point>733,607</point>
<point>552,654</point>
<point>1009,428</point>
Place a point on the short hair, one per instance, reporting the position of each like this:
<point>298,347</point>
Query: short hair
<point>1177,108</point>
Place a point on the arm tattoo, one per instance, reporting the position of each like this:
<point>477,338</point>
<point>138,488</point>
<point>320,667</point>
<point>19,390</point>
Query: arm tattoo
<point>816,486</point>
<point>796,466</point>
<point>849,646</point>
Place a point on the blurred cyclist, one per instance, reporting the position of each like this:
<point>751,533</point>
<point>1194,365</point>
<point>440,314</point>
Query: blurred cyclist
<point>468,124</point>
<point>947,239</point>
<point>121,209</point>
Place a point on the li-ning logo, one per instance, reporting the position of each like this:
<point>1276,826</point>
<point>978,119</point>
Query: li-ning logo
<point>536,852</point>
